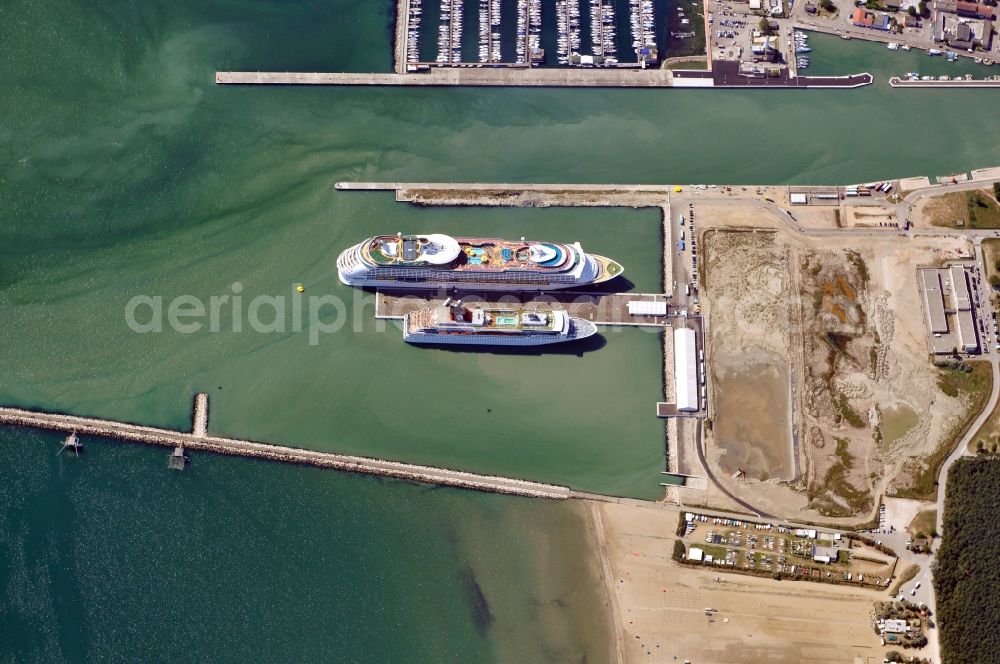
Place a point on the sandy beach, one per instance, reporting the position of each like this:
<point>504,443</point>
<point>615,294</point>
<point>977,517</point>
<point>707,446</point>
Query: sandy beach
<point>660,605</point>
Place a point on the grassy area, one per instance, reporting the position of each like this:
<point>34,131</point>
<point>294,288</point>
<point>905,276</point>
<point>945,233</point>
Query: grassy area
<point>966,576</point>
<point>948,210</point>
<point>987,439</point>
<point>991,254</point>
<point>925,522</point>
<point>964,209</point>
<point>693,63</point>
<point>717,552</point>
<point>983,209</point>
<point>694,44</point>
<point>974,388</point>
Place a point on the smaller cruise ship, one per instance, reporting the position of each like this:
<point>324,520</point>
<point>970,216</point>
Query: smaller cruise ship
<point>454,323</point>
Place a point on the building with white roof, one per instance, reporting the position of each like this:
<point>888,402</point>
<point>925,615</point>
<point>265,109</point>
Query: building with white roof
<point>685,369</point>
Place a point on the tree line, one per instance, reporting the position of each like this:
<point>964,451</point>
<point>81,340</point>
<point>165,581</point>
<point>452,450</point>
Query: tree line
<point>967,573</point>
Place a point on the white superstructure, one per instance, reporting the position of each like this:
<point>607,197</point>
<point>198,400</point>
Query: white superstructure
<point>453,323</point>
<point>441,261</point>
<point>685,369</point>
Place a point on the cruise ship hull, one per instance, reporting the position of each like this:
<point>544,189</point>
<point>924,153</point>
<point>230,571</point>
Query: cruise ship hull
<point>578,329</point>
<point>443,263</point>
<point>449,280</point>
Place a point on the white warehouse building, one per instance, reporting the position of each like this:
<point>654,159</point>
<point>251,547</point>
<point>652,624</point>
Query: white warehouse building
<point>685,369</point>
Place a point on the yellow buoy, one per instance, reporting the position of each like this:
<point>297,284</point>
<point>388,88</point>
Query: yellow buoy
<point>678,190</point>
<point>299,288</point>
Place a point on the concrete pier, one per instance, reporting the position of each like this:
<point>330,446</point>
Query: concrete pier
<point>478,187</point>
<point>898,82</point>
<point>605,309</point>
<point>487,75</point>
<point>470,75</point>
<point>200,423</point>
<point>135,433</point>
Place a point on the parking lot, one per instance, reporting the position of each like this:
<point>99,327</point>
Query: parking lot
<point>733,26</point>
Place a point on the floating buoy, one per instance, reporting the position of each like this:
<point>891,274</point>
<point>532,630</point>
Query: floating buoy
<point>299,288</point>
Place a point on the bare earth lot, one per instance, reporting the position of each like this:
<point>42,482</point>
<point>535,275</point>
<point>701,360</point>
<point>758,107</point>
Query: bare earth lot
<point>842,319</point>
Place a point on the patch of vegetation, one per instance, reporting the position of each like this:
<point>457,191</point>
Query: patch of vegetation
<point>987,439</point>
<point>836,482</point>
<point>693,63</point>
<point>844,412</point>
<point>983,210</point>
<point>924,523</point>
<point>947,209</point>
<point>680,551</point>
<point>681,524</point>
<point>971,382</point>
<point>966,576</point>
<point>956,378</point>
<point>859,265</point>
<point>991,252</point>
<point>896,656</point>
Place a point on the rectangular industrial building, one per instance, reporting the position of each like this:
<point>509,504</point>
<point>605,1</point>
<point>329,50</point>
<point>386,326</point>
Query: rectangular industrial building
<point>934,301</point>
<point>960,289</point>
<point>685,369</point>
<point>966,332</point>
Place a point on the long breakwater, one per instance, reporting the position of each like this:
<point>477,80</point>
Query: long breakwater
<point>198,440</point>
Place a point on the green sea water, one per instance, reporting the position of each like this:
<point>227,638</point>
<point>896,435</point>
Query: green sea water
<point>125,171</point>
<point>112,557</point>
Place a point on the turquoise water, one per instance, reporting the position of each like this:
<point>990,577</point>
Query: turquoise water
<point>111,556</point>
<point>124,170</point>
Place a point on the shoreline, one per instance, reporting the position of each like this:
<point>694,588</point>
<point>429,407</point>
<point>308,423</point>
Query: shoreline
<point>599,545</point>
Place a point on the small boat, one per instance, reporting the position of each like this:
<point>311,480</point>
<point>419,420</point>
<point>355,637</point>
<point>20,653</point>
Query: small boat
<point>803,49</point>
<point>906,47</point>
<point>934,51</point>
<point>845,36</point>
<point>799,33</point>
<point>892,46</point>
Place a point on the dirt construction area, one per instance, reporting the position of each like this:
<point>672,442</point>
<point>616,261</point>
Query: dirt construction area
<point>661,605</point>
<point>822,392</point>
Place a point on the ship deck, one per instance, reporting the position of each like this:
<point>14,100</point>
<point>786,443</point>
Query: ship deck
<point>598,308</point>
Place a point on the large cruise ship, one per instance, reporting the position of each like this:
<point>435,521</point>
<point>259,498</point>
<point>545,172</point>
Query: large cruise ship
<point>442,261</point>
<point>454,323</point>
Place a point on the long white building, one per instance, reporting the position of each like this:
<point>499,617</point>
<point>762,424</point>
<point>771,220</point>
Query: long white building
<point>685,369</point>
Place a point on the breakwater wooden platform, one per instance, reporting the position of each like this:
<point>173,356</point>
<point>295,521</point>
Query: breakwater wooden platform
<point>198,439</point>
